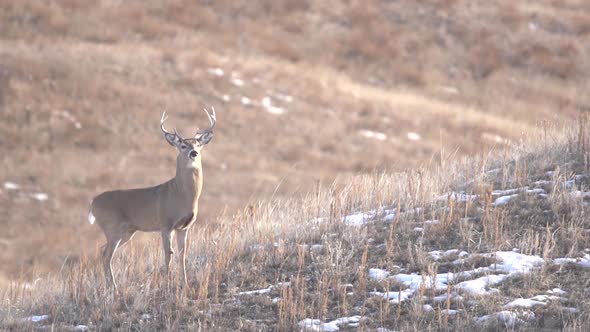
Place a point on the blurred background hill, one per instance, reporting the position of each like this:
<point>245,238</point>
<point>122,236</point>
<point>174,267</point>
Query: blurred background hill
<point>306,92</point>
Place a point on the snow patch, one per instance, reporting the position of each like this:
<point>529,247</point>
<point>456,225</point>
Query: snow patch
<point>523,303</point>
<point>373,134</point>
<point>11,185</point>
<point>257,292</point>
<point>216,72</point>
<point>504,200</point>
<point>479,286</point>
<point>246,101</point>
<point>36,319</point>
<point>358,219</point>
<point>40,196</point>
<point>508,319</point>
<point>378,274</point>
<point>457,197</point>
<point>580,261</point>
<point>394,297</point>
<point>309,324</point>
<point>413,136</point>
<point>237,81</point>
<point>438,254</point>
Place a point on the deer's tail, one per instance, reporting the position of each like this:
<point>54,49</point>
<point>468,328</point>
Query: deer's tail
<point>91,217</point>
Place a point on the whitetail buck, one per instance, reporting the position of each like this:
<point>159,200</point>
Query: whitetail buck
<point>168,208</point>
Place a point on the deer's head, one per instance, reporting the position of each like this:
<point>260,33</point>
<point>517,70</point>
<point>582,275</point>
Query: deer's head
<point>189,149</point>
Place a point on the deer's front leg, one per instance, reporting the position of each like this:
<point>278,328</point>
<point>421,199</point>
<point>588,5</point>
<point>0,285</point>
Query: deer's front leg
<point>167,244</point>
<point>181,238</point>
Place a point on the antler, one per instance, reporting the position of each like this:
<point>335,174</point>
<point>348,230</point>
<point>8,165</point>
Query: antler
<point>162,120</point>
<point>205,135</point>
<point>212,121</point>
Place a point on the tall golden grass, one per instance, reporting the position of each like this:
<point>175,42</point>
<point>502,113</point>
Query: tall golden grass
<point>317,265</point>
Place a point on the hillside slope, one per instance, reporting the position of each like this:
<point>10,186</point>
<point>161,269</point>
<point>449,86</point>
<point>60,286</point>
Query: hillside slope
<point>492,243</point>
<point>306,92</point>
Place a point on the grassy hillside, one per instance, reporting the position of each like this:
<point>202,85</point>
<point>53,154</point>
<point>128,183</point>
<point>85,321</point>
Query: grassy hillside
<point>498,241</point>
<point>306,92</point>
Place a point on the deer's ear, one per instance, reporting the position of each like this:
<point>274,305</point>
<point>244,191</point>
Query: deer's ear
<point>204,138</point>
<point>172,139</point>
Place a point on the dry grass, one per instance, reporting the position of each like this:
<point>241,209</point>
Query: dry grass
<point>464,75</point>
<point>318,265</point>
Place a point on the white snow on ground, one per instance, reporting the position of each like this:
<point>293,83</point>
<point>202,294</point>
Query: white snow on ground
<point>276,110</point>
<point>515,263</point>
<point>389,215</point>
<point>265,290</point>
<point>357,219</point>
<point>478,286</point>
<point>503,200</point>
<point>457,197</point>
<point>509,319</point>
<point>80,328</point>
<point>413,136</point>
<point>257,291</point>
<point>309,324</point>
<point>581,261</point>
<point>216,71</point>
<point>509,263</point>
<point>507,192</point>
<point>557,291</point>
<point>378,274</point>
<point>524,303</point>
<point>580,194</point>
<point>395,297</point>
<point>246,101</point>
<point>538,300</point>
<point>40,196</point>
<point>438,254</point>
<point>68,116</point>
<point>11,185</point>
<point>478,281</point>
<point>450,312</point>
<point>373,134</point>
<point>36,319</point>
<point>270,108</point>
<point>505,196</point>
<point>283,97</point>
<point>237,81</point>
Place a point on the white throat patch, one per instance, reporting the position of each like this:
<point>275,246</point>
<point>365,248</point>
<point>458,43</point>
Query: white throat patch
<point>191,164</point>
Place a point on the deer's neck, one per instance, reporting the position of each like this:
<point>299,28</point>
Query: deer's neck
<point>189,181</point>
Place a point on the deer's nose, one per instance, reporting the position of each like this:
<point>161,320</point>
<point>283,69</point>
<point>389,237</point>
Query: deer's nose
<point>193,154</point>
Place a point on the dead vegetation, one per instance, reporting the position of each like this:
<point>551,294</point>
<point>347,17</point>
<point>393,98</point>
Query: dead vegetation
<point>275,264</point>
<point>82,86</point>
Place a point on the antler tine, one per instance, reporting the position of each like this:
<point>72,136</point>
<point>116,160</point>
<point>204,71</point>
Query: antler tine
<point>162,120</point>
<point>212,121</point>
<point>212,118</point>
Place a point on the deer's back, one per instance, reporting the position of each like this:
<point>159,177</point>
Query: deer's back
<point>136,208</point>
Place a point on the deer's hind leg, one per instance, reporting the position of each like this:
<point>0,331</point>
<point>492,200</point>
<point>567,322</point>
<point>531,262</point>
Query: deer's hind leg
<point>107,256</point>
<point>115,239</point>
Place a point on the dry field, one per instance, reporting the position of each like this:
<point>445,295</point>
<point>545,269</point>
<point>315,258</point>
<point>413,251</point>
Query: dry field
<point>307,93</point>
<point>495,242</point>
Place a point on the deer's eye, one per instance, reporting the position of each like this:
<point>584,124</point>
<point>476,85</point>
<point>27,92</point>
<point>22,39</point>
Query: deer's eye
<point>183,146</point>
